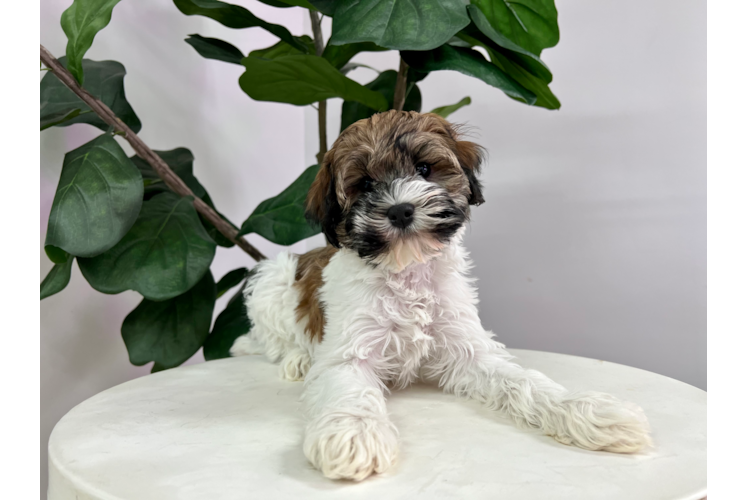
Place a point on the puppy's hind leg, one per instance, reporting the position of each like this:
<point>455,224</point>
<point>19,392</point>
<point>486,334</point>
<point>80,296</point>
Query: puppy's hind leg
<point>589,420</point>
<point>271,300</point>
<point>245,346</point>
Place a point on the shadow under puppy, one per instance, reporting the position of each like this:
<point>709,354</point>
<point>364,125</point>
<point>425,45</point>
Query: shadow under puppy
<point>389,300</point>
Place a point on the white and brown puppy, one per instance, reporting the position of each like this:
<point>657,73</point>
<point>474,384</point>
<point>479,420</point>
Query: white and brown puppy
<point>389,301</point>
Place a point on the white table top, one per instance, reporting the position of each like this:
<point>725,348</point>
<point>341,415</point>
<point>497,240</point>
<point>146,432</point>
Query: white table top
<point>231,429</point>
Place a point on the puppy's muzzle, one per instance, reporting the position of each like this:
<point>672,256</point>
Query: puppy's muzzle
<point>401,215</point>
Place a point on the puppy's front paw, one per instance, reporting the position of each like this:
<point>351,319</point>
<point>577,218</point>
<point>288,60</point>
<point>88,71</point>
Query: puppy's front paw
<point>350,447</point>
<point>598,421</point>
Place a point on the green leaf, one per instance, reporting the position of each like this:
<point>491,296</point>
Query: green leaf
<point>213,48</point>
<point>282,4</point>
<point>327,7</point>
<point>415,75</point>
<point>180,161</point>
<point>56,255</point>
<point>455,41</point>
<point>230,280</point>
<point>158,368</point>
<point>80,22</point>
<point>97,200</point>
<point>545,98</point>
<point>531,24</point>
<point>302,80</point>
<point>468,62</point>
<point>171,331</point>
<point>384,84</point>
<point>57,278</point>
<point>104,80</point>
<point>339,55</point>
<point>520,56</point>
<point>445,111</point>
<point>281,49</point>
<point>58,118</point>
<point>351,66</point>
<point>234,16</point>
<point>398,24</point>
<point>232,323</point>
<point>164,254</point>
<point>281,219</point>
<point>214,233</point>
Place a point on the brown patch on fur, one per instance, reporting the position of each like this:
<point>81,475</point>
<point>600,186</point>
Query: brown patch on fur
<point>308,281</point>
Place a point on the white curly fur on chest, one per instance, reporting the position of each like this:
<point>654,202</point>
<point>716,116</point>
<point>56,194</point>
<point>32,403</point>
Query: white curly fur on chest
<point>379,318</point>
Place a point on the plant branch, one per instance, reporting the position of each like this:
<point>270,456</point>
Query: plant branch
<point>162,169</point>
<point>319,48</point>
<point>401,86</point>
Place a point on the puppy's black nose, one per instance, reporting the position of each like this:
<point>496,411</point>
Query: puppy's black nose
<point>401,215</point>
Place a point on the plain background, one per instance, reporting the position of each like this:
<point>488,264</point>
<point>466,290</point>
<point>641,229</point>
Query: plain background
<point>593,237</point>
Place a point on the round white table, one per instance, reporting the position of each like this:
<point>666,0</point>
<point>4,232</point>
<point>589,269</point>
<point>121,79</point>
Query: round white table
<point>231,429</point>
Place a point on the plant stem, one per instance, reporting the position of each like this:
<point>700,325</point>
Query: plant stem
<point>400,86</point>
<point>162,169</point>
<point>319,48</point>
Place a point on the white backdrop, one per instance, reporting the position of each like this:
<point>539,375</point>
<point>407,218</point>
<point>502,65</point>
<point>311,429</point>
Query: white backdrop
<point>593,237</point>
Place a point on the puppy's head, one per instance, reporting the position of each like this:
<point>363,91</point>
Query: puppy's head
<point>396,188</point>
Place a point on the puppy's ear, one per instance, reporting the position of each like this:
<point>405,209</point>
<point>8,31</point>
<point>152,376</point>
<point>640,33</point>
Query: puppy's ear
<point>471,156</point>
<point>322,205</point>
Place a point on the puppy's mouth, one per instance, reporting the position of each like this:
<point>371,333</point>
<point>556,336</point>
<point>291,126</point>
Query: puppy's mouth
<point>409,222</point>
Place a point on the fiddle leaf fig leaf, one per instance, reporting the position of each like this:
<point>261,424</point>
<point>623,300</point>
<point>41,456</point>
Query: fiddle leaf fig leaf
<point>301,80</point>
<point>57,118</point>
<point>445,111</point>
<point>163,255</point>
<point>347,68</point>
<point>531,24</point>
<point>281,219</point>
<point>469,62</point>
<point>327,7</point>
<point>283,4</point>
<point>81,22</point>
<point>213,48</point>
<point>232,323</point>
<point>230,280</point>
<point>520,56</point>
<point>59,106</point>
<point>385,85</point>
<point>169,332</point>
<point>213,232</point>
<point>281,49</point>
<point>57,278</point>
<point>545,97</point>
<point>180,161</point>
<point>234,16</point>
<point>97,200</point>
<point>398,24</point>
<point>56,255</point>
<point>339,55</point>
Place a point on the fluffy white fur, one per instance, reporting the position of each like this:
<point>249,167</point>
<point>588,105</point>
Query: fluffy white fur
<point>385,329</point>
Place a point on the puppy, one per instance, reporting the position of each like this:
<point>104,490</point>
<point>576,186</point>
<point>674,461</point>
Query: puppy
<point>389,301</point>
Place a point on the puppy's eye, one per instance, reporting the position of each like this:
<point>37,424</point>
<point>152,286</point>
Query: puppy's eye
<point>366,184</point>
<point>423,169</point>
